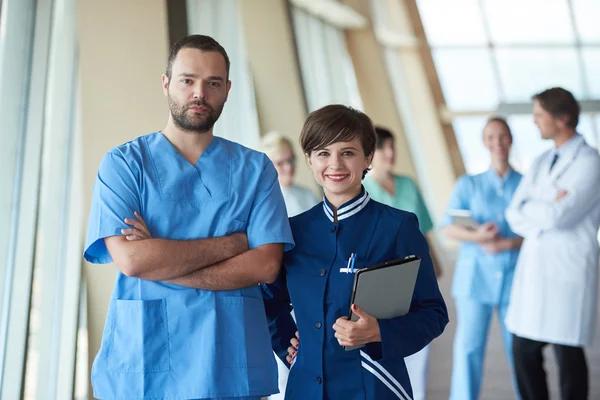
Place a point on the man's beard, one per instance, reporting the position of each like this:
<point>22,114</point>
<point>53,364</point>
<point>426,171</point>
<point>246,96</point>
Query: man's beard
<point>188,123</point>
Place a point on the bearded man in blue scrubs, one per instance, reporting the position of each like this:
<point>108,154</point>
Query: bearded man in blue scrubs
<point>193,223</point>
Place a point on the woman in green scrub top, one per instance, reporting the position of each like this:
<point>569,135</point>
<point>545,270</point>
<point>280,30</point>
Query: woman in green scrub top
<point>401,192</point>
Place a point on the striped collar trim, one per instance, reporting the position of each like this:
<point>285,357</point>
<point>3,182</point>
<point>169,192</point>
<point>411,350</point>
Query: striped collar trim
<point>348,209</point>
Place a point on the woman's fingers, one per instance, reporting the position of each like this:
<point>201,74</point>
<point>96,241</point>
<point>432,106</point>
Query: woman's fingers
<point>291,355</point>
<point>344,340</point>
<point>295,343</point>
<point>293,349</point>
<point>343,325</point>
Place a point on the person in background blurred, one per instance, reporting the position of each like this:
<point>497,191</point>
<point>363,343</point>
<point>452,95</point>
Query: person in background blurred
<point>281,152</point>
<point>297,200</point>
<point>555,294</point>
<point>486,260</point>
<point>401,192</point>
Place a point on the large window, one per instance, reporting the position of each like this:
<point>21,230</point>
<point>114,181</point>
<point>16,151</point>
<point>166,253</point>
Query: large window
<point>326,67</point>
<point>493,55</point>
<point>40,207</point>
<point>221,20</point>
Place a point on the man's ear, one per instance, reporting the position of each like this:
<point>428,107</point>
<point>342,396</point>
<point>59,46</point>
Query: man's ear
<point>165,84</point>
<point>563,120</point>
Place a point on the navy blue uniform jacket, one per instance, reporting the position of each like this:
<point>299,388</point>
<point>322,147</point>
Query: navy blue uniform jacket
<point>314,282</point>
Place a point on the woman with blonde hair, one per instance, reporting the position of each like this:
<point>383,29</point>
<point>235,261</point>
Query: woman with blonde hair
<point>281,152</point>
<point>297,199</point>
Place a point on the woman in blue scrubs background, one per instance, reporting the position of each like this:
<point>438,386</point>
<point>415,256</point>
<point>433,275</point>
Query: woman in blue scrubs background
<point>338,143</point>
<point>486,261</point>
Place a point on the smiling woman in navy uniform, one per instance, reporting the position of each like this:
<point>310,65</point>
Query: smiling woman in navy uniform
<point>338,143</point>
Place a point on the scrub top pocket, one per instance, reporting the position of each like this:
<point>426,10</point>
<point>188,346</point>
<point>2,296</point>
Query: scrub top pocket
<point>140,338</point>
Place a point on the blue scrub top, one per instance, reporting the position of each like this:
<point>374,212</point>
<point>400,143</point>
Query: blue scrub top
<point>163,340</point>
<point>320,293</point>
<point>480,276</point>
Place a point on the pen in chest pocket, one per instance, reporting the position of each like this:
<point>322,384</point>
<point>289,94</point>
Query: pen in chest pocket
<point>351,262</point>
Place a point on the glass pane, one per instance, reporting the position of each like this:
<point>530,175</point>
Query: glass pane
<point>467,79</point>
<point>524,72</point>
<point>468,132</point>
<point>456,22</point>
<point>82,357</point>
<point>587,13</point>
<point>15,48</point>
<point>344,86</point>
<point>17,28</point>
<point>45,374</point>
<point>532,21</point>
<point>317,60</point>
<point>597,119</point>
<point>591,63</point>
<point>221,20</point>
<point>527,142</point>
<point>587,128</point>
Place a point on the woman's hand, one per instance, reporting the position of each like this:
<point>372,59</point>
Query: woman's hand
<point>139,230</point>
<point>501,244</point>
<point>364,330</point>
<point>293,349</point>
<point>486,232</point>
<point>496,246</point>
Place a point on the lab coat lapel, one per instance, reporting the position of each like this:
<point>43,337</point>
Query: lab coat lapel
<point>566,160</point>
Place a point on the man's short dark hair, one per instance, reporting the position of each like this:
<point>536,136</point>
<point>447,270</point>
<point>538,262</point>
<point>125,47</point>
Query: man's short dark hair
<point>337,123</point>
<point>560,102</point>
<point>199,42</point>
<point>383,134</point>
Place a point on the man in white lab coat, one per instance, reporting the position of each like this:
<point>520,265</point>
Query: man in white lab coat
<point>557,210</point>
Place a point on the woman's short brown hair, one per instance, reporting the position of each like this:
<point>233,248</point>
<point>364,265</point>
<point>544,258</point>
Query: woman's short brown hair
<point>337,123</point>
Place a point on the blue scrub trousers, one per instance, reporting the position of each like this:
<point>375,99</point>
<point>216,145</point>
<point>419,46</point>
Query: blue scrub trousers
<point>473,321</point>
